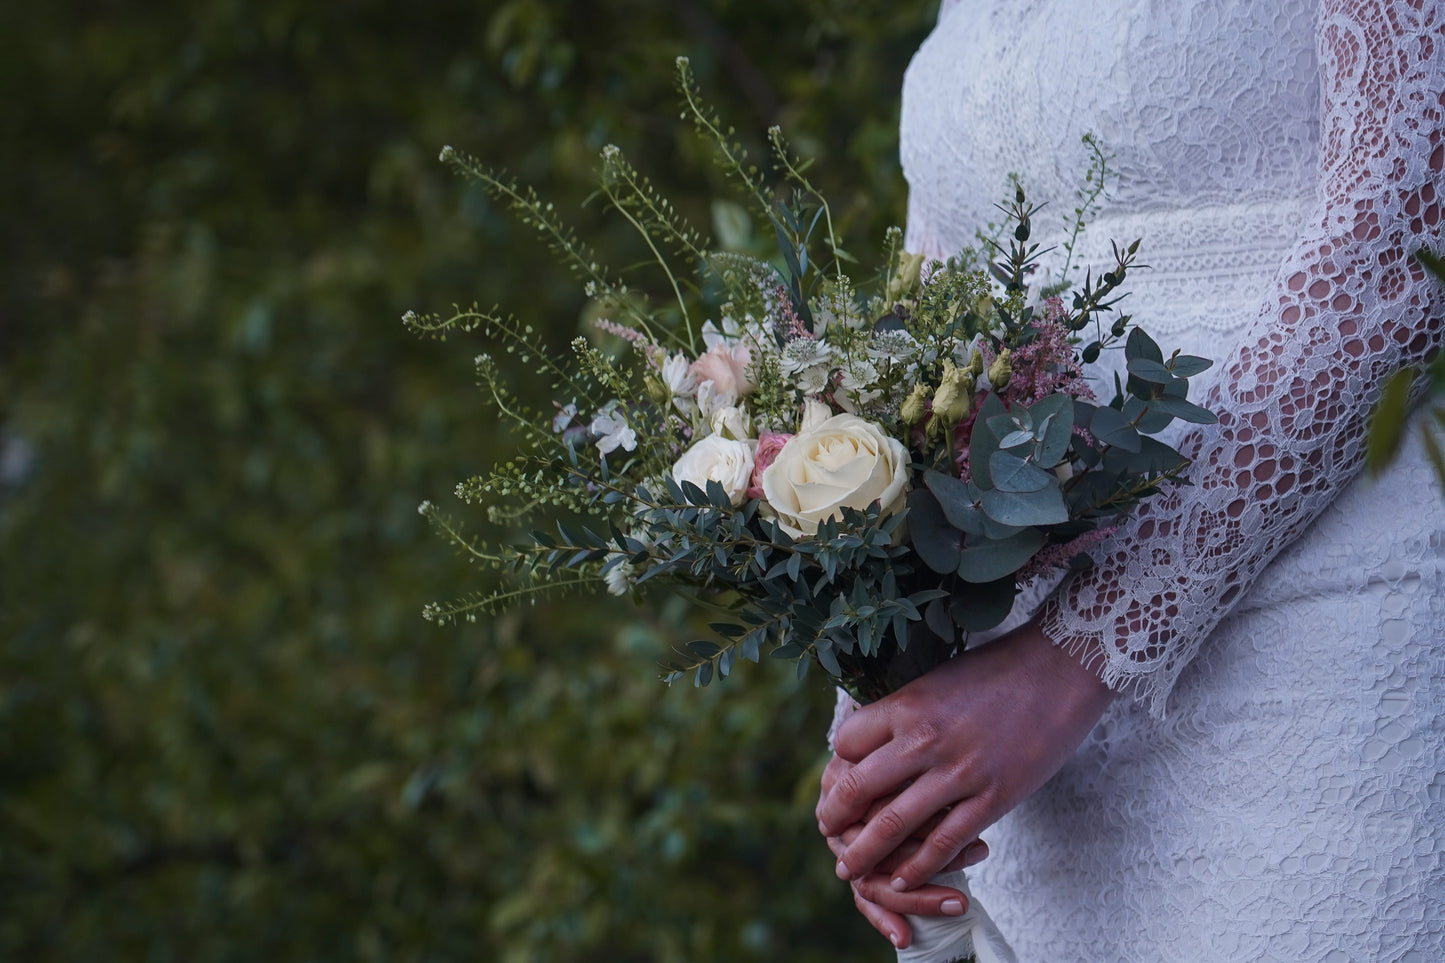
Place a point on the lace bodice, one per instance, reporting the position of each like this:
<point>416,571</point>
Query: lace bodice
<point>1280,160</point>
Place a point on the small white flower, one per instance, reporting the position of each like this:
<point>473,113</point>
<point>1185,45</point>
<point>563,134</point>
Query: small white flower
<point>677,375</point>
<point>809,363</point>
<point>854,385</point>
<point>619,577</point>
<point>710,400</point>
<point>563,417</point>
<point>613,432</point>
<point>892,346</point>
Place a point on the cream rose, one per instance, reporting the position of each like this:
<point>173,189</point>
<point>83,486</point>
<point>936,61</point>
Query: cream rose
<point>844,462</point>
<point>719,459</point>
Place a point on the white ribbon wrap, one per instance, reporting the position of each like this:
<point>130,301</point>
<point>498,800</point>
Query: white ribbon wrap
<point>949,939</point>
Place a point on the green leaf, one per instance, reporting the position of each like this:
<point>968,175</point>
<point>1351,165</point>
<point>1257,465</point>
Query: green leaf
<point>1432,262</point>
<point>1145,418</point>
<point>1140,345</point>
<point>1011,473</point>
<point>1188,365</point>
<point>1152,458</point>
<point>1147,369</point>
<point>984,441</point>
<point>991,560</point>
<point>1112,428</point>
<point>979,607</point>
<point>1183,410</point>
<point>828,659</point>
<point>1042,507</point>
<point>937,542</point>
<point>957,502</point>
<point>1054,418</point>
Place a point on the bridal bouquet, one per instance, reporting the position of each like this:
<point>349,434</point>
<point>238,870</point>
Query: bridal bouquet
<point>854,475</point>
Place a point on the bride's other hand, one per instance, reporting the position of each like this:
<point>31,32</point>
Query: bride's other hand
<point>967,741</point>
<point>879,903</point>
<point>884,907</point>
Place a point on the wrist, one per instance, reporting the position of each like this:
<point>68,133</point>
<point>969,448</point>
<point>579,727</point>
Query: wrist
<point>1067,673</point>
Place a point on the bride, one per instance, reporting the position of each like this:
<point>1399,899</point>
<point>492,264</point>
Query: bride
<point>1227,740</point>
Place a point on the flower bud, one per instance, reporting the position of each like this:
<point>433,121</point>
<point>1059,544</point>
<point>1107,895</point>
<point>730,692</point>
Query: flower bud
<point>732,422</point>
<point>905,282</point>
<point>814,414</point>
<point>975,363</point>
<point>915,406</point>
<point>1001,370</point>
<point>954,398</point>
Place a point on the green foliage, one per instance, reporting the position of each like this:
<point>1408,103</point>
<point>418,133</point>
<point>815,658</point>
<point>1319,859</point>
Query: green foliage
<point>224,732</point>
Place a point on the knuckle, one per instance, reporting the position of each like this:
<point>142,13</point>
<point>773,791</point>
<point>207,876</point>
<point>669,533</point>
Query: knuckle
<point>947,841</point>
<point>890,825</point>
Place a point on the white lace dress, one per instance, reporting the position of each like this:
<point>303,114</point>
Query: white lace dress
<point>1276,788</point>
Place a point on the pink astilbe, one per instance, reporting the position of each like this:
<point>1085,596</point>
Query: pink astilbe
<point>792,326</point>
<point>1057,556</point>
<point>622,331</point>
<point>1046,366</point>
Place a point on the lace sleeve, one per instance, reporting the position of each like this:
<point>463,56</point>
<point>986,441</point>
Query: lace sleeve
<point>1349,306</point>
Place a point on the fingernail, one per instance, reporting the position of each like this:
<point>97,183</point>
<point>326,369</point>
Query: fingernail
<point>899,884</point>
<point>975,854</point>
<point>893,938</point>
<point>842,870</point>
<point>821,828</point>
<point>952,907</point>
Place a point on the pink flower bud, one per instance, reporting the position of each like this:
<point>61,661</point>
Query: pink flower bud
<point>769,444</point>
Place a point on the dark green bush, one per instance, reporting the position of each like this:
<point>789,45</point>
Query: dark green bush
<point>225,733</point>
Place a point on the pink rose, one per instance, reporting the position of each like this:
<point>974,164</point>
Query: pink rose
<point>727,368</point>
<point>769,444</point>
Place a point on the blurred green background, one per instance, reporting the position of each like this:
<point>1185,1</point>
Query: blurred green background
<point>225,732</point>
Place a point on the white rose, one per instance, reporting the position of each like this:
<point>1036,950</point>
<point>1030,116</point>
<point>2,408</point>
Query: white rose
<point>719,459</point>
<point>845,462</point>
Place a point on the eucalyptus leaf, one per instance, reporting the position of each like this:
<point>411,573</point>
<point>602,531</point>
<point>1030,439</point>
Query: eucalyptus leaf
<point>958,504</point>
<point>984,441</point>
<point>937,542</point>
<point>989,560</point>
<point>1112,428</point>
<point>1054,423</point>
<point>1042,507</point>
<point>1183,410</point>
<point>979,607</point>
<point>1145,417</point>
<point>1152,458</point>
<point>1011,473</point>
<point>936,616</point>
<point>1140,345</point>
<point>1188,365</point>
<point>1147,369</point>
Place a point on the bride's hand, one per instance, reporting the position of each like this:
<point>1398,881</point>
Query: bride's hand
<point>876,900</point>
<point>969,740</point>
<point>879,903</point>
